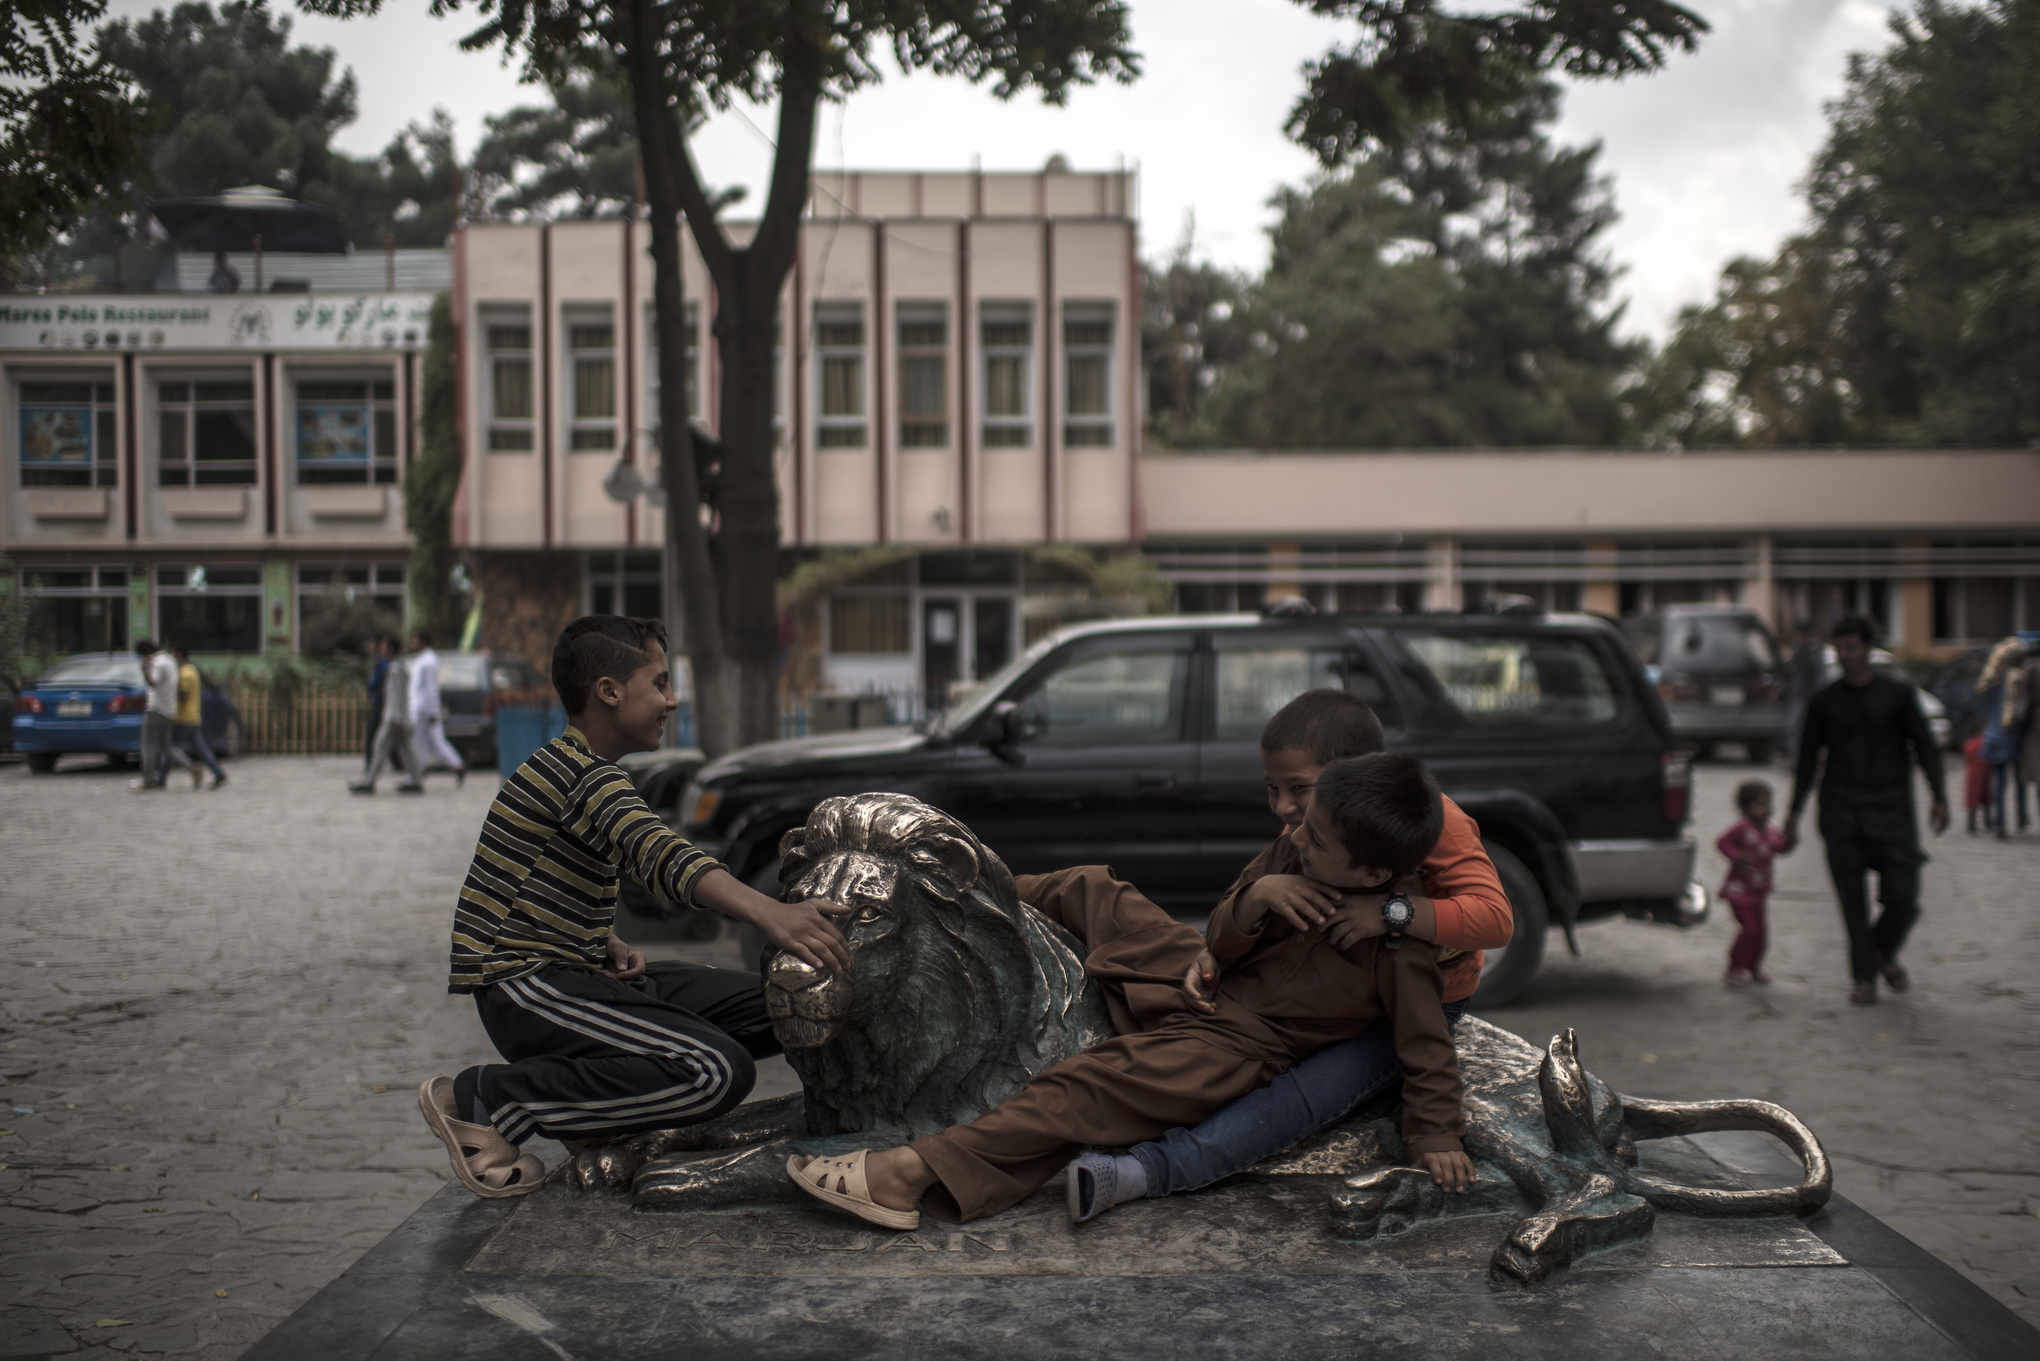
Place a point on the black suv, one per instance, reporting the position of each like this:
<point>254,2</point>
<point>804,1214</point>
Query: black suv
<point>1136,744</point>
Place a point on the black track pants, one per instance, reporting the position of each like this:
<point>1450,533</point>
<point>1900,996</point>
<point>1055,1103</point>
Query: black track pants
<point>590,1057</point>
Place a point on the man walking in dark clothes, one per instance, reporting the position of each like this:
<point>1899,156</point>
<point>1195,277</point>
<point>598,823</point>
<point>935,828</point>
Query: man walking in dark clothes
<point>1872,731</point>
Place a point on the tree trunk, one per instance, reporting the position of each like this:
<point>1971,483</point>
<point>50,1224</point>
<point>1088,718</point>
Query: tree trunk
<point>748,287</point>
<point>689,567</point>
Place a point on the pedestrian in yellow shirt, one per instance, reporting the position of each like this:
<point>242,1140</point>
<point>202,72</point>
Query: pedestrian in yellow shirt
<point>189,734</point>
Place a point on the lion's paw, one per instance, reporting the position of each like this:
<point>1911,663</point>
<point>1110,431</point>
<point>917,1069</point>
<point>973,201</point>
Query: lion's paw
<point>611,1166</point>
<point>1385,1201</point>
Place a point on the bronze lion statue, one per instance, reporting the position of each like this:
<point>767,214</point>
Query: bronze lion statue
<point>958,993</point>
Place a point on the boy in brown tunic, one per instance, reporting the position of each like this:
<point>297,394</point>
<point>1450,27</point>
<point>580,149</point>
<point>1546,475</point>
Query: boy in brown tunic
<point>1196,1028</point>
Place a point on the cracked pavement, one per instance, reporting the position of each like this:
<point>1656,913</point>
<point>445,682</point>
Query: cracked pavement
<point>215,1008</point>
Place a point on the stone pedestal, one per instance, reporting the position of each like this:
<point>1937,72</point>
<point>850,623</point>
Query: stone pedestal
<point>1241,1270</point>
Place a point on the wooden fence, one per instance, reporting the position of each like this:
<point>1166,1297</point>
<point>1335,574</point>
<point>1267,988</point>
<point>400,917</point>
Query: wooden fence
<point>315,721</point>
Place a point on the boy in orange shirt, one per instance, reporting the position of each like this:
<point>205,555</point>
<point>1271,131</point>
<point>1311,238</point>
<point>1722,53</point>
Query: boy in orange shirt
<point>1457,903</point>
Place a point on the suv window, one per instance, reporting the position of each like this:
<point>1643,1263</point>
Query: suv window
<point>1110,697</point>
<point>1255,679</point>
<point>1495,680</point>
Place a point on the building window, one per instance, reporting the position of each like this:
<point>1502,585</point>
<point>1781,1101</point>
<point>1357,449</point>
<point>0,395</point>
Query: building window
<point>507,332</point>
<point>210,609</point>
<point>591,377</point>
<point>67,434</point>
<point>1984,609</point>
<point>1008,337</point>
<point>342,606</point>
<point>626,581</point>
<point>1087,368</point>
<point>839,357</point>
<point>870,624</point>
<point>205,434</point>
<point>924,375</point>
<point>75,609</point>
<point>346,431</point>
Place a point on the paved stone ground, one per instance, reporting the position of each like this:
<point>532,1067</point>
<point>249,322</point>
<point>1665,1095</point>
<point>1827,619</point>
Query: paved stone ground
<point>214,1009</point>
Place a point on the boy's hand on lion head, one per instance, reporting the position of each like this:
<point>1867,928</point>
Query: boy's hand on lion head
<point>804,931</point>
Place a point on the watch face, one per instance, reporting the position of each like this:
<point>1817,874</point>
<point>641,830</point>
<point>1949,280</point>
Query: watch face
<point>1397,912</point>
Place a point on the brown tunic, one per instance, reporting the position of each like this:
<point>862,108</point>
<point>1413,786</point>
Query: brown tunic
<point>1284,998</point>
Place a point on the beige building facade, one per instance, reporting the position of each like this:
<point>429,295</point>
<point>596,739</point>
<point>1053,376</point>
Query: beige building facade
<point>959,460</point>
<point>224,469</point>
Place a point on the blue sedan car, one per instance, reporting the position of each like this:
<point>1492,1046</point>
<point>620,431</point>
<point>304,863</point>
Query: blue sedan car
<point>94,702</point>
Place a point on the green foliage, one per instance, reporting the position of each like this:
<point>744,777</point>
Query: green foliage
<point>234,103</point>
<point>71,124</point>
<point>1416,64</point>
<point>15,662</point>
<point>1447,293</point>
<point>1191,330</point>
<point>1910,312</point>
<point>430,485</point>
<point>1117,585</point>
<point>575,157</point>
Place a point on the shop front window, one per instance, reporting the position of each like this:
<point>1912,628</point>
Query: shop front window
<point>75,609</point>
<point>210,608</point>
<point>343,606</point>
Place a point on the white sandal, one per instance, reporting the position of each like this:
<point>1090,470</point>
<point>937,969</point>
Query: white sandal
<point>486,1162</point>
<point>851,1191</point>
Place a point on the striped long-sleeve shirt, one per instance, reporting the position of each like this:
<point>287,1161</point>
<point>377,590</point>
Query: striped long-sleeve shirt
<point>542,889</point>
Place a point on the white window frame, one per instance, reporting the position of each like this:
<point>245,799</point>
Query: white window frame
<point>841,429</point>
<point>923,430</point>
<point>1090,429</point>
<point>1006,429</point>
<point>595,433</point>
<point>508,434</point>
<point>187,409</point>
<point>104,470</point>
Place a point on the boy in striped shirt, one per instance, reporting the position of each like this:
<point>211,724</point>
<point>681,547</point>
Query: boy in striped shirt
<point>597,1043</point>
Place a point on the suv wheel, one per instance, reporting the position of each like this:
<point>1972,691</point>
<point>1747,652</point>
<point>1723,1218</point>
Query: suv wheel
<point>1509,970</point>
<point>42,762</point>
<point>237,738</point>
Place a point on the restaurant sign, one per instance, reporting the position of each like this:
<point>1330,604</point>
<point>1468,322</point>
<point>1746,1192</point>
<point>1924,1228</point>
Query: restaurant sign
<point>215,321</point>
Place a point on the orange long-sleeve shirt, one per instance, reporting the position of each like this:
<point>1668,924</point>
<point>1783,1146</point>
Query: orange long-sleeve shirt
<point>1459,879</point>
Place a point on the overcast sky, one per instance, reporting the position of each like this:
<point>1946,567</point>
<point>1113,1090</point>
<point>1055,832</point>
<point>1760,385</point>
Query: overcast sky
<point>1705,157</point>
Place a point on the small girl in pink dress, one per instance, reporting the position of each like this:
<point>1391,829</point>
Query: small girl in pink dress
<point>1751,845</point>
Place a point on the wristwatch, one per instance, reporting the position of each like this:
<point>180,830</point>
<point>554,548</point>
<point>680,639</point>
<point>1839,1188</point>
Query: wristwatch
<point>1397,914</point>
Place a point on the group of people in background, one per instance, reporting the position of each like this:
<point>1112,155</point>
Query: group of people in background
<point>1858,737</point>
<point>173,727</point>
<point>406,721</point>
<point>2000,759</point>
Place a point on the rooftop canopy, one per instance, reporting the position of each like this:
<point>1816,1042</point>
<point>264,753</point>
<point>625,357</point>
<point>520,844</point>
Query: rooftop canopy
<point>235,219</point>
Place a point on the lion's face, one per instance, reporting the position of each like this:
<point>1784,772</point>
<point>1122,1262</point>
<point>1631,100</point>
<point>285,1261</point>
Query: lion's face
<point>808,1005</point>
<point>898,865</point>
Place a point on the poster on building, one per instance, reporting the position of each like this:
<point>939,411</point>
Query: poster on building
<point>332,435</point>
<point>56,437</point>
<point>172,321</point>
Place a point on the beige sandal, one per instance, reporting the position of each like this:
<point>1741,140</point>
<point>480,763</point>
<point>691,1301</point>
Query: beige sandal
<point>486,1162</point>
<point>851,1191</point>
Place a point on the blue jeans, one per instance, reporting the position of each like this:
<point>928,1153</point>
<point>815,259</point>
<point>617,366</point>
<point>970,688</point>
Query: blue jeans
<point>1324,1088</point>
